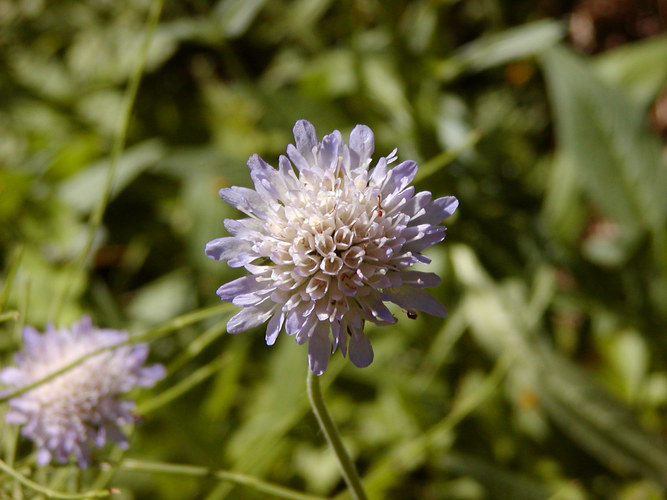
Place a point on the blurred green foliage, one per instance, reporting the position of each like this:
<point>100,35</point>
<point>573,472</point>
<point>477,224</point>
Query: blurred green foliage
<point>549,377</point>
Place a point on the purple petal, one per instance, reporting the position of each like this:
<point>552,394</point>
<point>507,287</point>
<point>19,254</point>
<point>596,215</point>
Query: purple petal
<point>360,350</point>
<point>287,173</point>
<point>244,291</point>
<point>309,326</point>
<point>244,199</point>
<point>150,375</point>
<point>432,235</point>
<point>419,279</point>
<point>265,177</point>
<point>415,299</point>
<point>43,456</point>
<point>294,322</point>
<point>362,144</point>
<point>247,318</point>
<point>377,311</point>
<point>226,248</point>
<point>399,177</point>
<point>439,210</point>
<point>83,326</point>
<point>306,139</point>
<point>15,417</point>
<point>245,229</point>
<point>12,376</point>
<point>319,349</point>
<point>301,164</point>
<point>379,173</point>
<point>328,152</point>
<point>417,204</point>
<point>273,328</point>
<point>32,339</point>
<point>339,337</point>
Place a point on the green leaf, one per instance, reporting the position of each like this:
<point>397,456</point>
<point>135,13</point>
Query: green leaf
<point>524,41</point>
<point>235,16</point>
<point>603,135</point>
<point>638,68</point>
<point>589,415</point>
<point>497,482</point>
<point>602,425</point>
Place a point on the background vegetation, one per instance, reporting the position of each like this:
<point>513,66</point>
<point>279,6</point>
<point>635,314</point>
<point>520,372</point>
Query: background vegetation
<point>546,119</point>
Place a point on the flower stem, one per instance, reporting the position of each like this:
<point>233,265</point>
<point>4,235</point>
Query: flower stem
<point>233,477</point>
<point>48,491</point>
<point>328,426</point>
<point>117,148</point>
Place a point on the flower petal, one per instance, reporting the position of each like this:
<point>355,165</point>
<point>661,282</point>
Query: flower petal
<point>265,178</point>
<point>399,177</point>
<point>426,238</point>
<point>439,210</point>
<point>309,326</point>
<point>319,349</point>
<point>360,350</point>
<point>226,248</point>
<point>377,311</point>
<point>273,328</point>
<point>32,339</point>
<point>12,376</point>
<point>247,318</point>
<point>329,150</point>
<point>419,279</point>
<point>244,199</point>
<point>295,321</point>
<point>415,299</point>
<point>248,294</point>
<point>362,144</point>
<point>306,139</point>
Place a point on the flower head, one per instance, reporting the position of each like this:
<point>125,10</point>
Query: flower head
<point>79,408</point>
<point>326,246</point>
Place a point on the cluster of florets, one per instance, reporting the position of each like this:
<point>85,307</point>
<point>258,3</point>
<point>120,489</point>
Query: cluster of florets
<point>79,408</point>
<point>326,246</point>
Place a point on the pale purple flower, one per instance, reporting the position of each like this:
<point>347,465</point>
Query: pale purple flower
<point>327,246</point>
<point>80,408</point>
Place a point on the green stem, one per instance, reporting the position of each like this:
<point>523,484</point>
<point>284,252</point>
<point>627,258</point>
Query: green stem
<point>48,491</point>
<point>9,316</point>
<point>328,426</point>
<point>232,477</point>
<point>11,273</point>
<point>177,390</point>
<point>117,147</point>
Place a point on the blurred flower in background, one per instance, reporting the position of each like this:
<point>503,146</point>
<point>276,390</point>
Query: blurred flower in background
<point>80,408</point>
<point>326,249</point>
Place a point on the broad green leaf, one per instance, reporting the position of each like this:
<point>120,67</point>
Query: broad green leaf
<point>235,16</point>
<point>597,422</point>
<point>590,416</point>
<point>640,68</point>
<point>524,41</point>
<point>605,140</point>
